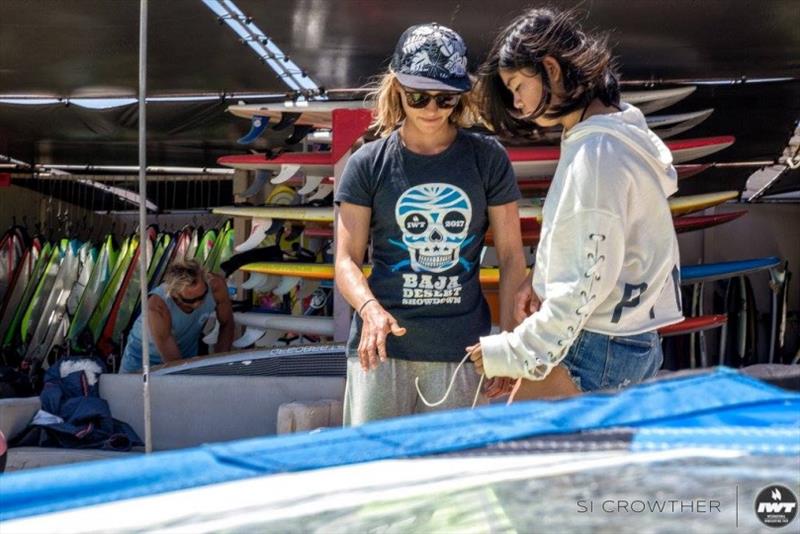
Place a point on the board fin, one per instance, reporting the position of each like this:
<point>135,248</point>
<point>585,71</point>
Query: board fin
<point>286,284</point>
<point>323,191</point>
<point>312,182</point>
<point>258,184</point>
<point>286,173</point>
<point>259,233</point>
<point>250,336</point>
<point>288,118</point>
<point>257,126</point>
<point>300,132</point>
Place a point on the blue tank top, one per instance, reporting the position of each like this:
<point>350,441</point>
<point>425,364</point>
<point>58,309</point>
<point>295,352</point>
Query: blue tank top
<point>186,329</point>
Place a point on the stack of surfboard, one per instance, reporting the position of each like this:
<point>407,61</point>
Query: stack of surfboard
<point>82,297</point>
<point>311,174</point>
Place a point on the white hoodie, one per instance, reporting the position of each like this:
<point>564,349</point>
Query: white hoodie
<point>607,260</point>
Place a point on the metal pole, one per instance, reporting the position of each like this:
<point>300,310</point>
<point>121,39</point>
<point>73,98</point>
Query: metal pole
<point>143,260</point>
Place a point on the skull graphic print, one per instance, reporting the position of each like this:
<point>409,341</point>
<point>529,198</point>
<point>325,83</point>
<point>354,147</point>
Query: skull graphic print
<point>434,219</point>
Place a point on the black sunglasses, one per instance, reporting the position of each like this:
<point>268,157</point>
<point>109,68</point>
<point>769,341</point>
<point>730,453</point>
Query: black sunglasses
<point>194,300</point>
<point>419,99</point>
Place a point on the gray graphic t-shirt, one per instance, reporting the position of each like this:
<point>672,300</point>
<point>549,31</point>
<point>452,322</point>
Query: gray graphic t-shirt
<point>429,217</point>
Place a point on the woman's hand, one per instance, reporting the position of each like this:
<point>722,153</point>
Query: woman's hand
<point>495,387</point>
<point>476,356</point>
<point>377,324</point>
<point>526,301</point>
<point>499,386</point>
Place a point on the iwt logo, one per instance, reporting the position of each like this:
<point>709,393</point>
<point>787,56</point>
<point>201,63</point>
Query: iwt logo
<point>776,506</point>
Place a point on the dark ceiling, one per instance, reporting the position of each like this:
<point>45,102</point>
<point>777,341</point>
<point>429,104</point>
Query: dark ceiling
<point>80,48</point>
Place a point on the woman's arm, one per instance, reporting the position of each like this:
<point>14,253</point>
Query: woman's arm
<point>587,253</point>
<point>352,234</point>
<point>504,222</point>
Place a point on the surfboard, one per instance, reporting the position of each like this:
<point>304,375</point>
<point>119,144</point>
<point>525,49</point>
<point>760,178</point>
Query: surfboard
<point>693,274</point>
<point>225,251</point>
<point>13,332</point>
<point>100,276</point>
<point>34,312</point>
<point>491,275</point>
<point>678,206</point>
<point>295,213</point>
<point>194,241</point>
<point>694,324</point>
<point>304,113</point>
<point>324,271</point>
<point>664,126</point>
<point>301,324</point>
<point>87,256</point>
<point>101,312</point>
<point>205,245</point>
<point>165,245</point>
<point>20,281</point>
<point>528,162</point>
<point>532,162</point>
<point>694,203</point>
<point>655,100</point>
<point>308,184</point>
<point>162,257</point>
<point>316,116</point>
<point>12,249</point>
<point>317,113</point>
<point>531,229</point>
<point>122,306</point>
<point>701,222</point>
<point>129,296</point>
<point>54,310</point>
<point>222,245</point>
<point>670,127</point>
<point>183,242</point>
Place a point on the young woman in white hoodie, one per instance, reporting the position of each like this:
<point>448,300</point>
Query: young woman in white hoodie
<point>606,274</point>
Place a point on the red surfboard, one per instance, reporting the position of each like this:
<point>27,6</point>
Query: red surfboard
<point>531,228</point>
<point>693,324</point>
<point>106,345</point>
<point>534,161</point>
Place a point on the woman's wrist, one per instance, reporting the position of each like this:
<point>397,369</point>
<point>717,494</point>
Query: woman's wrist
<point>364,305</point>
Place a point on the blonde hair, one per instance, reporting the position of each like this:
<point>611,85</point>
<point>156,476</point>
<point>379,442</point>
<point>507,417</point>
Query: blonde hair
<point>388,109</point>
<point>182,274</point>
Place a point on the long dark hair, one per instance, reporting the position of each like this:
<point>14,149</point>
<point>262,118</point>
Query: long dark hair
<point>587,66</point>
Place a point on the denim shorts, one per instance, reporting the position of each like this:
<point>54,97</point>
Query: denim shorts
<point>597,361</point>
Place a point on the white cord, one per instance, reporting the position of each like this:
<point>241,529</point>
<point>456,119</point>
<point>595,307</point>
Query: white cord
<point>449,388</point>
<point>477,392</point>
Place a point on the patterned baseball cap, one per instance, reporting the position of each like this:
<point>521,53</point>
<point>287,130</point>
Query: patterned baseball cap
<point>431,57</point>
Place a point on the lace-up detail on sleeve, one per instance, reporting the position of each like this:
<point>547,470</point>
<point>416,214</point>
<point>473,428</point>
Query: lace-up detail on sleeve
<point>595,262</point>
<point>583,262</point>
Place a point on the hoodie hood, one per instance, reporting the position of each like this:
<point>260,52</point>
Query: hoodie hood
<point>630,126</point>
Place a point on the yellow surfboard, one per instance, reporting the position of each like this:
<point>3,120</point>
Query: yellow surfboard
<point>679,206</point>
<point>324,271</point>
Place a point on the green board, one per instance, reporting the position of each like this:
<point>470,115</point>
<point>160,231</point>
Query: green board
<point>12,334</point>
<point>101,274</point>
<point>42,292</point>
<point>100,315</point>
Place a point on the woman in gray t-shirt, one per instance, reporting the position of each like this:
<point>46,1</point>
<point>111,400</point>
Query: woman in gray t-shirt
<point>424,194</point>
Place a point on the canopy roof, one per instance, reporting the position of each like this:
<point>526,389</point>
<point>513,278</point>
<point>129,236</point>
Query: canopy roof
<point>89,48</point>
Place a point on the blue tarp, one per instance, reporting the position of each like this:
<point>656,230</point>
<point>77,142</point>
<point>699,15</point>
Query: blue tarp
<point>719,409</point>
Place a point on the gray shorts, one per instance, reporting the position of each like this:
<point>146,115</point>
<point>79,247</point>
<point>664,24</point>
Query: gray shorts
<point>389,391</point>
